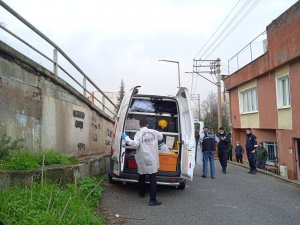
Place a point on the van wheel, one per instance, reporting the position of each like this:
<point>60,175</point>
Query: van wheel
<point>181,185</point>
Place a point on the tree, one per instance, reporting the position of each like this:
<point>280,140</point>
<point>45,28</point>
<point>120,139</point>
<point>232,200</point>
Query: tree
<point>121,94</point>
<point>209,111</point>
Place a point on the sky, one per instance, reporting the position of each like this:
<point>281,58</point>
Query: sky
<point>118,39</point>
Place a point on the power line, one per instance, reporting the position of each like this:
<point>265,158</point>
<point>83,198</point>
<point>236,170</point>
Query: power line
<point>227,26</point>
<point>217,29</point>
<point>233,28</point>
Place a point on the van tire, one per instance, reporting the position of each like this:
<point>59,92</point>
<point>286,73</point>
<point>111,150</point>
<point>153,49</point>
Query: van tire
<point>181,185</point>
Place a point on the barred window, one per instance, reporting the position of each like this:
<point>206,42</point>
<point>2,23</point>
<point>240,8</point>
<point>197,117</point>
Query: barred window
<point>272,152</point>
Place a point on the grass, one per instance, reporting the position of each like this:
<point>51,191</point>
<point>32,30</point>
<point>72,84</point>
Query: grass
<point>51,204</point>
<point>8,144</point>
<point>24,160</point>
<point>14,156</point>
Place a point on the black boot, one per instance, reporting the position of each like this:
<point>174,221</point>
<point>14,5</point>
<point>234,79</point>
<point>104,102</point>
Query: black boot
<point>224,170</point>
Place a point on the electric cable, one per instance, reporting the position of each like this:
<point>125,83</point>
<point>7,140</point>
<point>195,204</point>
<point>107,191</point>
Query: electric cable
<point>235,26</point>
<point>227,26</point>
<point>217,29</point>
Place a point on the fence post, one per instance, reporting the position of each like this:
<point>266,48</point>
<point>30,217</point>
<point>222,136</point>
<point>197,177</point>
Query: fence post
<point>251,50</point>
<point>55,58</point>
<point>103,103</point>
<point>84,86</point>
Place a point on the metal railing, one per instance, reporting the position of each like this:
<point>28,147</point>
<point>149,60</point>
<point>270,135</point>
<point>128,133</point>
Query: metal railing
<point>110,109</point>
<point>257,47</point>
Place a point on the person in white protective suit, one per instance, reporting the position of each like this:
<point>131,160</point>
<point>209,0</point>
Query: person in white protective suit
<point>147,158</point>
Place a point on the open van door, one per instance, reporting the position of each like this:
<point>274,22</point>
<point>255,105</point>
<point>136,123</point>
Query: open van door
<point>187,134</point>
<point>118,145</point>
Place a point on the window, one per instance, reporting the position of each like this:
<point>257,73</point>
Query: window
<point>272,152</point>
<point>283,92</point>
<point>248,100</point>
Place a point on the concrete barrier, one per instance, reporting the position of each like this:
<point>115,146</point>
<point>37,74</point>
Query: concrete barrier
<point>47,112</point>
<point>58,174</point>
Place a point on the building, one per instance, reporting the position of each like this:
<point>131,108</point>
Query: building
<point>265,94</point>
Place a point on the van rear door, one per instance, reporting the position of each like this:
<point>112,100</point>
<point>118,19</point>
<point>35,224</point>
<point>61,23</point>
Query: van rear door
<point>118,145</point>
<point>187,134</point>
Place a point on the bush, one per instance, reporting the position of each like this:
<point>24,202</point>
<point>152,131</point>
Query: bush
<point>7,145</point>
<point>51,204</point>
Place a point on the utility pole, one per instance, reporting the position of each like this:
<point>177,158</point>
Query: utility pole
<point>211,67</point>
<point>196,97</point>
<point>218,73</point>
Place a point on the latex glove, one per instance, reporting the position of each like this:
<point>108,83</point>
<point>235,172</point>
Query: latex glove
<point>123,136</point>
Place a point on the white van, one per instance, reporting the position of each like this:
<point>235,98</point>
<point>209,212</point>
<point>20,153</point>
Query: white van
<point>170,115</point>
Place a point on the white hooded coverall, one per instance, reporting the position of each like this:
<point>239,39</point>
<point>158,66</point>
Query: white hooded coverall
<point>146,144</point>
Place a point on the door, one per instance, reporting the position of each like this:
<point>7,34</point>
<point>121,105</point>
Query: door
<point>118,145</point>
<point>187,134</point>
<point>297,144</point>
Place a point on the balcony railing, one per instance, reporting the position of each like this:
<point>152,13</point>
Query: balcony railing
<point>257,47</point>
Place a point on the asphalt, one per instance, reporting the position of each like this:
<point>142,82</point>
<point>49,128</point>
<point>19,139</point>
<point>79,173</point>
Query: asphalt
<point>233,198</point>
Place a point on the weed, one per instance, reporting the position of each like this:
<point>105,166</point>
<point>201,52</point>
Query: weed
<point>7,144</point>
<point>51,204</point>
<point>24,160</point>
<point>21,160</point>
<point>53,157</point>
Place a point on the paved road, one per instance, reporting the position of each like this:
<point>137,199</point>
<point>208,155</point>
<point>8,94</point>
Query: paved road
<point>235,198</point>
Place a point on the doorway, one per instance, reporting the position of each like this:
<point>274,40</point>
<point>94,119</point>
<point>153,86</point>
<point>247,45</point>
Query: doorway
<point>297,143</point>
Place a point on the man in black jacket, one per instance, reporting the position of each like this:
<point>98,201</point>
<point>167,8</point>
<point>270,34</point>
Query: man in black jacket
<point>239,150</point>
<point>223,148</point>
<point>251,144</point>
<point>208,144</point>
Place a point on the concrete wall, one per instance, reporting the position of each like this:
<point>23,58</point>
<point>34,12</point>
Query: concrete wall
<point>267,101</point>
<point>47,112</point>
<point>58,174</point>
<point>295,93</point>
<point>283,37</point>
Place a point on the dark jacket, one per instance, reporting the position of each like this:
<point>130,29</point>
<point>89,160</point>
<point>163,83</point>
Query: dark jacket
<point>250,142</point>
<point>209,143</point>
<point>239,150</point>
<point>261,153</point>
<point>223,144</point>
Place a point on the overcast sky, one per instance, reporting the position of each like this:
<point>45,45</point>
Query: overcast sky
<point>124,39</point>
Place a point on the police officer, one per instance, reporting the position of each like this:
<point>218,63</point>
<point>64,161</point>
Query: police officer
<point>147,157</point>
<point>251,144</point>
<point>223,146</point>
<point>208,143</point>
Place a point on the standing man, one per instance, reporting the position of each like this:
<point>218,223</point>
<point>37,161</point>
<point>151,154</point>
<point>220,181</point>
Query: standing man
<point>251,144</point>
<point>223,148</point>
<point>147,158</point>
<point>239,150</point>
<point>208,142</point>
<point>261,156</point>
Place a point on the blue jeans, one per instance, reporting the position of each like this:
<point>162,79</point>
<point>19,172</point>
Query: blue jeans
<point>209,156</point>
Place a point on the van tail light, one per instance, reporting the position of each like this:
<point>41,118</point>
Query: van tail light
<point>172,179</point>
<point>112,150</point>
<point>116,126</point>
